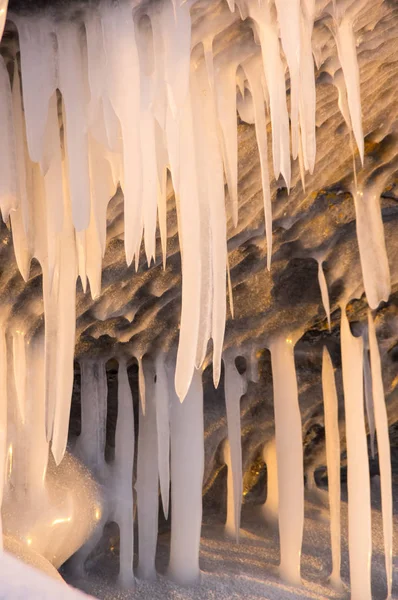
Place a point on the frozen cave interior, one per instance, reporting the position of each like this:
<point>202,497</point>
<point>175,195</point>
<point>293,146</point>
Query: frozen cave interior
<point>199,299</point>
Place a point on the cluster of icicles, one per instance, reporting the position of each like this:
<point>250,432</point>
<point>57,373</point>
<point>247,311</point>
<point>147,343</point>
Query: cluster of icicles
<point>142,96</point>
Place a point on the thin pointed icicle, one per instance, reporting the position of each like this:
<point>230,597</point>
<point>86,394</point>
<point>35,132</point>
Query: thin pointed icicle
<point>262,144</point>
<point>289,21</point>
<point>8,165</point>
<point>289,449</point>
<point>147,484</point>
<point>90,444</point>
<point>275,80</point>
<point>383,446</point>
<point>234,389</point>
<point>123,89</point>
<point>333,463</point>
<point>324,291</point>
<point>307,100</point>
<point>225,93</point>
<point>141,384</point>
<point>358,481</point>
<point>189,236</point>
<point>123,476</point>
<point>72,85</point>
<point>204,111</point>
<point>163,430</point>
<point>54,193</point>
<point>367,380</point>
<point>372,245</point>
<point>348,59</point>
<point>187,464</point>
<point>65,315</point>
<point>38,74</point>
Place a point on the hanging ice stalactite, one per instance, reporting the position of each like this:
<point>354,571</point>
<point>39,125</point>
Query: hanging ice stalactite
<point>332,434</point>
<point>324,291</point>
<point>234,389</point>
<point>162,406</point>
<point>383,447</point>
<point>289,453</point>
<point>358,482</point>
<point>371,242</point>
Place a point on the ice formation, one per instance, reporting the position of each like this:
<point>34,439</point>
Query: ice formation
<point>126,95</point>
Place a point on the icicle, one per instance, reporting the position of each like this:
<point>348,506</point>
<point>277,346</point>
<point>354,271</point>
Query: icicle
<point>262,144</point>
<point>358,482</point>
<point>54,193</point>
<point>177,44</point>
<point>289,450</point>
<point>383,446</point>
<point>324,291</point>
<point>349,64</point>
<point>72,86</point>
<point>289,22</point>
<point>123,476</point>
<point>123,90</point>
<point>187,464</point>
<point>333,462</point>
<point>64,298</point>
<point>189,235</point>
<point>307,99</point>
<point>90,444</point>
<point>234,390</point>
<point>275,80</point>
<point>163,430</point>
<point>270,508</point>
<point>147,481</point>
<point>372,246</point>
<point>3,15</point>
<point>23,173</point>
<point>141,384</point>
<point>367,379</point>
<point>202,100</point>
<point>225,92</point>
<point>8,166</point>
<point>38,74</point>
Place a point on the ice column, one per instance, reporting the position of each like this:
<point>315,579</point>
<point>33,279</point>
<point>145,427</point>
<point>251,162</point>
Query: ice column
<point>147,484</point>
<point>333,461</point>
<point>383,446</point>
<point>187,463</point>
<point>90,444</point>
<point>234,390</point>
<point>289,452</point>
<point>123,476</point>
<point>359,515</point>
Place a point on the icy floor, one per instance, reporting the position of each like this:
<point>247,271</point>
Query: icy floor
<point>249,570</point>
